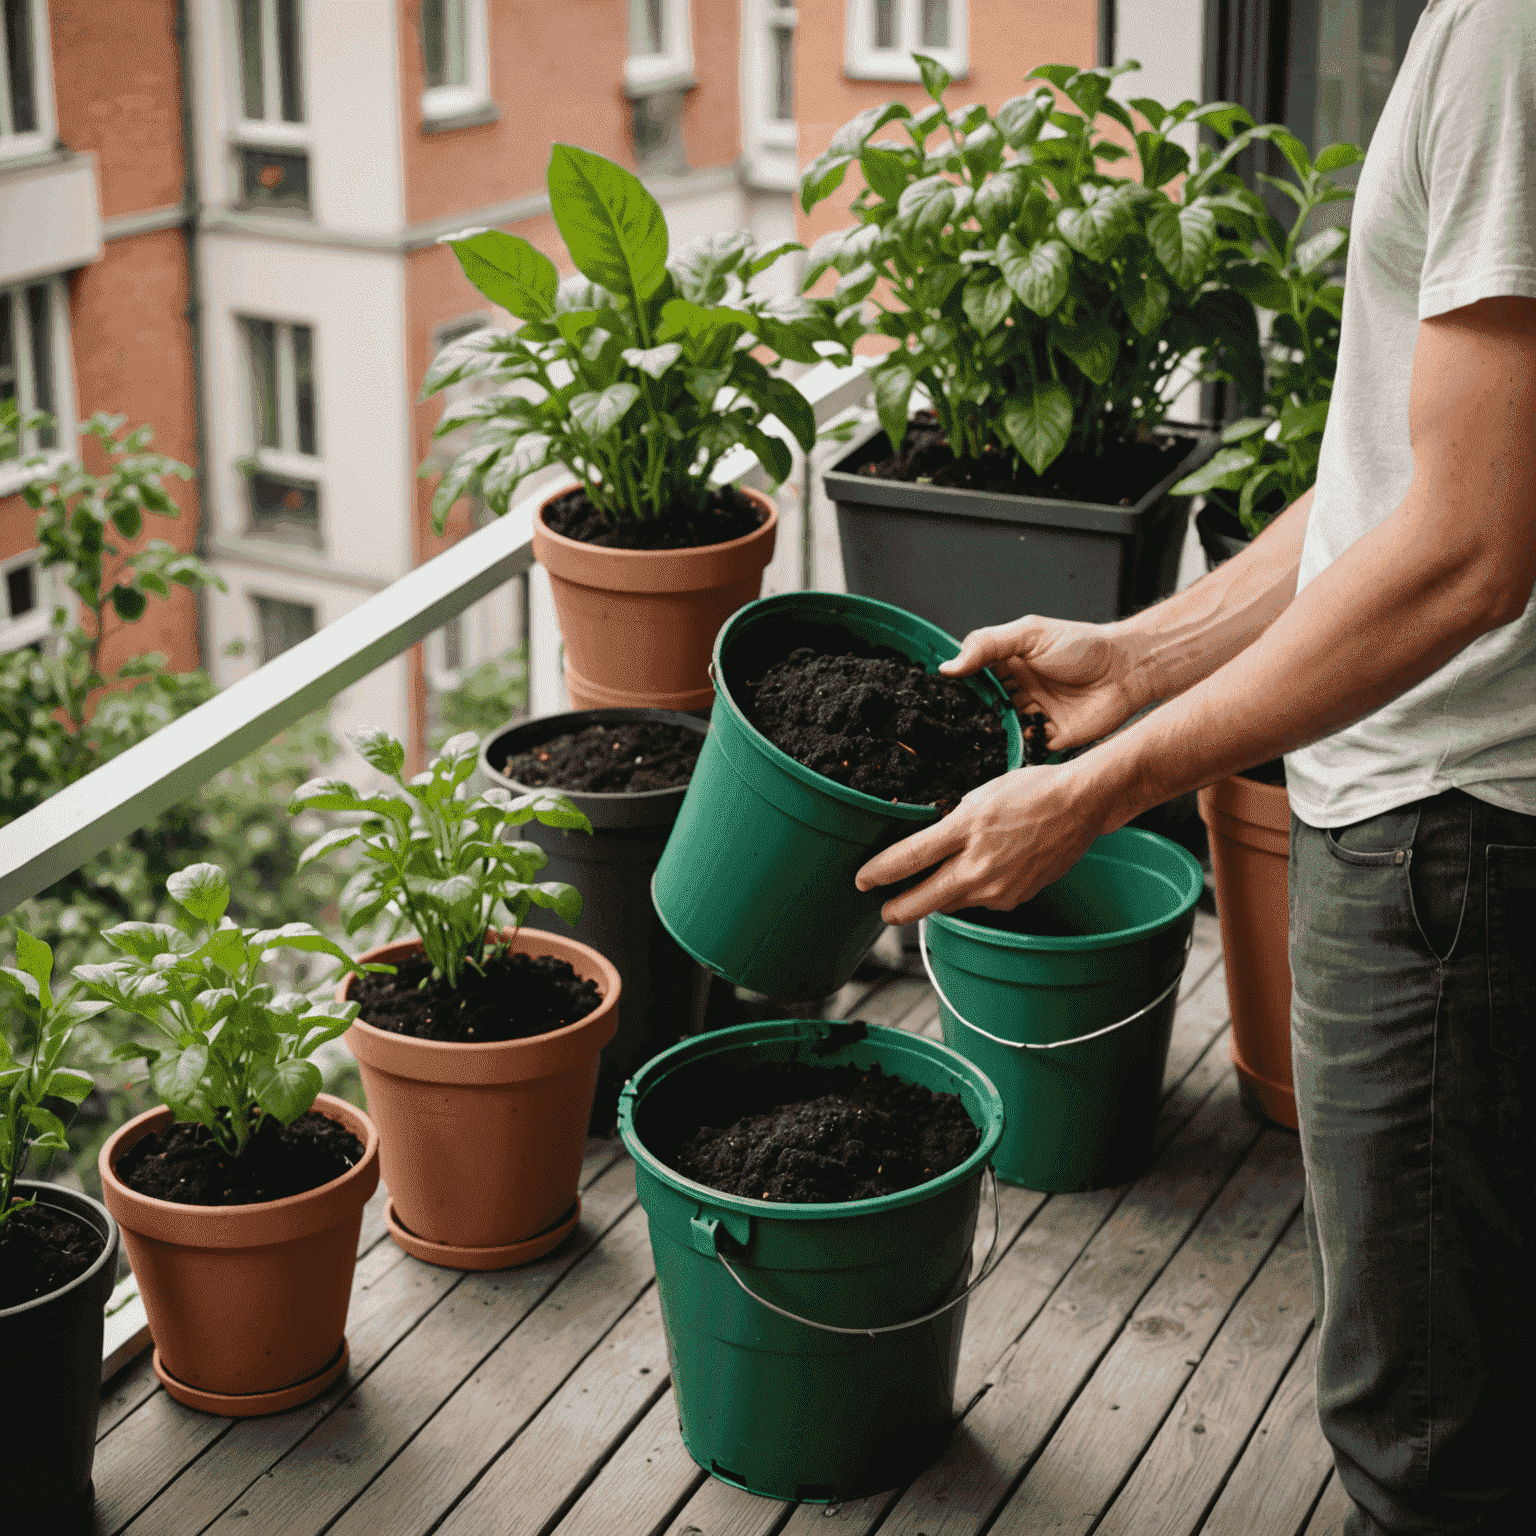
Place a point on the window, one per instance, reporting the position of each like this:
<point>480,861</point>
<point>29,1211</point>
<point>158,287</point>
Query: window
<point>281,625</point>
<point>272,141</point>
<point>454,60</point>
<point>28,596</point>
<point>26,104</point>
<point>883,35</point>
<point>768,93</point>
<point>660,47</point>
<point>284,468</point>
<point>32,318</point>
<point>273,178</point>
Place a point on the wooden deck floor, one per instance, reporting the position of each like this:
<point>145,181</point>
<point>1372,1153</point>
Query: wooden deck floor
<point>1140,1365</point>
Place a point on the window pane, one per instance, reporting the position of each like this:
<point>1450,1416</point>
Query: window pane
<point>935,27</point>
<point>304,385</point>
<point>261,342</point>
<point>18,61</point>
<point>284,509</point>
<point>885,23</point>
<point>288,60</point>
<point>455,49</point>
<point>7,350</point>
<point>783,74</point>
<point>432,42</point>
<point>453,643</point>
<point>274,179</point>
<point>250,58</point>
<point>21,589</point>
<point>647,27</point>
<point>282,625</point>
<point>38,315</point>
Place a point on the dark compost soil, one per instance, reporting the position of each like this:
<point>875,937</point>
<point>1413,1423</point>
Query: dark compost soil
<point>610,759</point>
<point>797,1133</point>
<point>517,997</point>
<point>41,1250</point>
<point>186,1165</point>
<point>728,514</point>
<point>879,723</point>
<point>1120,477</point>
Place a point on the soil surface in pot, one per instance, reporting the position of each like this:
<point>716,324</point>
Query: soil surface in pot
<point>610,759</point>
<point>1119,477</point>
<point>797,1133</point>
<point>41,1250</point>
<point>880,724</point>
<point>728,514</point>
<point>185,1165</point>
<point>517,997</point>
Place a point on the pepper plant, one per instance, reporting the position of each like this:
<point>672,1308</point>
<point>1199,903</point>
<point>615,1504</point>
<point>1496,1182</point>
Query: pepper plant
<point>435,858</point>
<point>1043,305</point>
<point>27,1125</point>
<point>1268,460</point>
<point>639,374</point>
<point>233,1049</point>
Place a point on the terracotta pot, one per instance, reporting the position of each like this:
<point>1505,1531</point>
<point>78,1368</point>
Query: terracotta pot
<point>247,1304</point>
<point>639,625</point>
<point>1250,827</point>
<point>482,1144</point>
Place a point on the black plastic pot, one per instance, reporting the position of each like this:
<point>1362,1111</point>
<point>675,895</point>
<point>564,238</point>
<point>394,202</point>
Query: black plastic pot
<point>665,989</point>
<point>50,1382</point>
<point>1222,534</point>
<point>963,559</point>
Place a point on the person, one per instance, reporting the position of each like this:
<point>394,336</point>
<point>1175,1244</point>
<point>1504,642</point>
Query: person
<point>1380,634</point>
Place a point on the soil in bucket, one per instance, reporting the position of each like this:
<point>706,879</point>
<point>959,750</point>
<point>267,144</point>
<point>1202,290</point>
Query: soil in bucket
<point>41,1250</point>
<point>609,759</point>
<point>727,515</point>
<point>817,1135</point>
<point>514,997</point>
<point>185,1165</point>
<point>1120,477</point>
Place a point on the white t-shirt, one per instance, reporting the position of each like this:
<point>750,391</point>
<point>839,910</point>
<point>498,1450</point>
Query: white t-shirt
<point>1445,215</point>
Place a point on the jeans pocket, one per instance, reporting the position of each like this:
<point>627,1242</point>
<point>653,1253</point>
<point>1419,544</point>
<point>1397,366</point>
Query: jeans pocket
<point>1511,897</point>
<point>1378,842</point>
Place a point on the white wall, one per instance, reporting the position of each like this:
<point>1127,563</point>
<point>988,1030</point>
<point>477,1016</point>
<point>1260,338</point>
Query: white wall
<point>1167,38</point>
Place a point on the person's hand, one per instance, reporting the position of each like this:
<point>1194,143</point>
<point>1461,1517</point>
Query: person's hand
<point>1006,840</point>
<point>1082,677</point>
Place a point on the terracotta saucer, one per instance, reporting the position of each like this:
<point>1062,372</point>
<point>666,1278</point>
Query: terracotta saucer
<point>447,1256</point>
<point>250,1405</point>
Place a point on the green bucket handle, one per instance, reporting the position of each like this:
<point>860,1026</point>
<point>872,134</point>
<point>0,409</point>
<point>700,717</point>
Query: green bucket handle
<point>987,1270</point>
<point>1043,1045</point>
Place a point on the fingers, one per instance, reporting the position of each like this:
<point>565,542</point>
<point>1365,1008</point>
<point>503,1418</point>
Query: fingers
<point>982,648</point>
<point>940,892</point>
<point>914,854</point>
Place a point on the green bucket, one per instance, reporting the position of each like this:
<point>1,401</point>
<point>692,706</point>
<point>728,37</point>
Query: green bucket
<point>1067,1004</point>
<point>756,881</point>
<point>813,1347</point>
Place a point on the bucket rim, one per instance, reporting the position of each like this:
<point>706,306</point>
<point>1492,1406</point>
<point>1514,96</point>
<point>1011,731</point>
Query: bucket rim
<point>658,1065</point>
<point>985,684</point>
<point>1130,837</point>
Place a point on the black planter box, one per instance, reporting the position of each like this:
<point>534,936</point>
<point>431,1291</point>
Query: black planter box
<point>963,559</point>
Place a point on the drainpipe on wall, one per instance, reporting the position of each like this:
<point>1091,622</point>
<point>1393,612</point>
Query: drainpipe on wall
<point>1106,33</point>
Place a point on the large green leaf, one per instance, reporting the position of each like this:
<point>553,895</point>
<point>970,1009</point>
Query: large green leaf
<point>613,228</point>
<point>894,382</point>
<point>1039,276</point>
<point>598,412</point>
<point>203,889</point>
<point>823,176</point>
<point>1223,471</point>
<point>886,170</point>
<point>287,1089</point>
<point>508,271</point>
<point>1096,229</point>
<point>36,959</point>
<point>986,302</point>
<point>1022,118</point>
<point>1093,347</point>
<point>1183,239</point>
<point>1146,302</point>
<point>1038,421</point>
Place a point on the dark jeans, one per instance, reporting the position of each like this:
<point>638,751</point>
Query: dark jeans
<point>1413,1031</point>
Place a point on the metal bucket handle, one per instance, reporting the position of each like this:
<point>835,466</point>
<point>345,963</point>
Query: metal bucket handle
<point>1044,1045</point>
<point>987,1269</point>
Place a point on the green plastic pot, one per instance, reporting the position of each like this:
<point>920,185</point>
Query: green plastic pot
<point>776,1403</point>
<point>756,881</point>
<point>1067,1004</point>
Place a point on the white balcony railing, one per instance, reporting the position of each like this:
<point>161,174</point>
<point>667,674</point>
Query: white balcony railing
<point>57,837</point>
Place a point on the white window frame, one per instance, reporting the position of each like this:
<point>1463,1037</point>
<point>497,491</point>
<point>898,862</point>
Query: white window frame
<point>51,594</point>
<point>772,143</point>
<point>449,101</point>
<point>647,74</point>
<point>15,473</point>
<point>284,459</point>
<point>255,599</point>
<point>42,139</point>
<point>863,61</point>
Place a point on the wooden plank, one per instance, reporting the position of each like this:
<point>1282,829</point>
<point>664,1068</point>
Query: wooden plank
<point>373,1229</point>
<point>412,1480</point>
<point>717,1509</point>
<point>648,1477</point>
<point>1118,1412</point>
<point>1182,1471</point>
<point>1332,1510</point>
<point>542,1472</point>
<point>128,1389</point>
<point>858,1515</point>
<point>891,1002</point>
<point>1202,1015</point>
<point>1285,1464</point>
<point>1030,1390</point>
<point>125,1335</point>
<point>1204,951</point>
<point>315,1481</point>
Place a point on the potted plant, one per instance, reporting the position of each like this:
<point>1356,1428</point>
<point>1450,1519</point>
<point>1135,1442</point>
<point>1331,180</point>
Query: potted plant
<point>480,1055</point>
<point>1267,462</point>
<point>639,376</point>
<point>626,771</point>
<point>58,1264</point>
<point>1050,312</point>
<point>241,1197</point>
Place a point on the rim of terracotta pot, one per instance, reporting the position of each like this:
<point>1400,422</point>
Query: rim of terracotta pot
<point>1266,807</point>
<point>693,568</point>
<point>261,1225</point>
<point>494,1061</point>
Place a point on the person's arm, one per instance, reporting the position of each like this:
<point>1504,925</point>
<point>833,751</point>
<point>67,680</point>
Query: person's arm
<point>1455,560</point>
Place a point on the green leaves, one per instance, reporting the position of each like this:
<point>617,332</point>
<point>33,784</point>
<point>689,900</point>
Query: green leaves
<point>894,381</point>
<point>1183,239</point>
<point>1093,347</point>
<point>986,302</point>
<point>1038,421</point>
<point>287,1089</point>
<point>1039,276</point>
<point>508,271</point>
<point>203,889</point>
<point>596,413</point>
<point>613,228</point>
